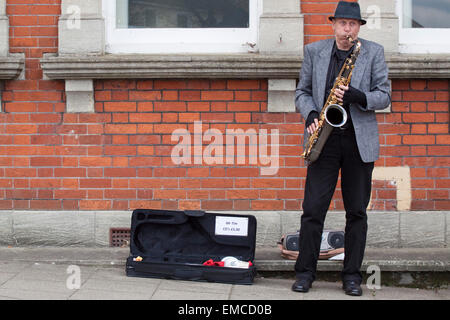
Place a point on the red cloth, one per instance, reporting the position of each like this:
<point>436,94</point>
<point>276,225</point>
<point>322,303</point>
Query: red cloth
<point>212,263</point>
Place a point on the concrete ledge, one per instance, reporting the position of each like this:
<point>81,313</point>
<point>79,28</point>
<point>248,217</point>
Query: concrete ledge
<point>389,259</point>
<point>267,259</point>
<point>12,66</point>
<point>267,66</point>
<point>120,66</point>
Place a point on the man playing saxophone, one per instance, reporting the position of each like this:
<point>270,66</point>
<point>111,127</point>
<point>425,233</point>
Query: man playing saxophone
<point>351,147</point>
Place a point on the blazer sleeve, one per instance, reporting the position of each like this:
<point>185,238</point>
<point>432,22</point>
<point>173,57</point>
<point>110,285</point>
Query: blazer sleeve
<point>304,102</point>
<point>379,96</point>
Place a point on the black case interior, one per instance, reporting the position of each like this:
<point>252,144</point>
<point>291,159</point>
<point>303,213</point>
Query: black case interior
<point>175,244</point>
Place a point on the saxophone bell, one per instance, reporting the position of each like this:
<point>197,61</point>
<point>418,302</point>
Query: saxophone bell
<point>335,115</point>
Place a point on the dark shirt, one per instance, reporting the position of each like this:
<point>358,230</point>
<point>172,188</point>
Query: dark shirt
<point>337,60</point>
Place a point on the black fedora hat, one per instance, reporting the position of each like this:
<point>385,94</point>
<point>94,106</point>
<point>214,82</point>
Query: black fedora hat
<point>348,10</point>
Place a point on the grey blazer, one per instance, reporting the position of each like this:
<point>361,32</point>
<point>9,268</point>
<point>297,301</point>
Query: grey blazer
<point>370,75</point>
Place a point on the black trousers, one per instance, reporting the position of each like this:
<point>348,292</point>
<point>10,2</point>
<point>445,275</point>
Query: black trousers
<point>340,152</point>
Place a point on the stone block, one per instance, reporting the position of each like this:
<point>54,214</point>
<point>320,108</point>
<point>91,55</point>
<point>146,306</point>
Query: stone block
<point>80,96</point>
<point>281,95</point>
<point>281,34</point>
<point>53,228</point>
<point>422,229</point>
<point>86,37</point>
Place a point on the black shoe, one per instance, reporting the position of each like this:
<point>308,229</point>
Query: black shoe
<point>352,288</point>
<point>302,285</point>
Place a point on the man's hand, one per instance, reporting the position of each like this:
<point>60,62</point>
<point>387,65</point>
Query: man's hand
<point>340,92</point>
<point>312,123</point>
<point>313,127</point>
<point>349,95</point>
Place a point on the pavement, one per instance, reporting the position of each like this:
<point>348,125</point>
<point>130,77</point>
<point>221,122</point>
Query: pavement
<point>99,274</point>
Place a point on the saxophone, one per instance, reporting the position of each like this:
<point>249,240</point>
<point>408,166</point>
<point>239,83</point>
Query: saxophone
<point>333,114</point>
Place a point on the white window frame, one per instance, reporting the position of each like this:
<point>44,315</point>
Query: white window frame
<point>421,40</point>
<point>180,40</point>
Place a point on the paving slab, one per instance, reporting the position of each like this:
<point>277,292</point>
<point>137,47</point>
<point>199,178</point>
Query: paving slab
<point>45,273</point>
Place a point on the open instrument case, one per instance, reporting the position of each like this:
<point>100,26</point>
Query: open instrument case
<point>177,244</point>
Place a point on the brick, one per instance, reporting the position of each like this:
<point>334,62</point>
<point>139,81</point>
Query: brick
<point>438,128</point>
<point>242,194</point>
<point>438,106</point>
<point>243,84</point>
<point>434,84</point>
<point>217,95</point>
<point>318,29</point>
<point>216,204</point>
<point>21,129</point>
<point>189,205</point>
<point>95,204</point>
<point>243,106</point>
<point>145,117</point>
<point>120,194</point>
<point>401,84</point>
<point>418,106</point>
<point>418,95</point>
<point>267,205</point>
<point>46,161</point>
<point>443,139</point>
<point>120,129</point>
<point>418,117</point>
<point>217,117</point>
<point>170,84</point>
<point>70,172</point>
<point>45,204</point>
<point>119,172</point>
<point>119,84</point>
<point>419,128</point>
<point>120,150</point>
<point>169,194</point>
<point>442,96</point>
<point>170,106</point>
<point>145,95</point>
<point>418,139</point>
<point>437,194</point>
<point>20,107</point>
<point>442,205</point>
<point>120,106</point>
<point>190,95</point>
<point>418,84</point>
<point>310,7</point>
<point>316,19</point>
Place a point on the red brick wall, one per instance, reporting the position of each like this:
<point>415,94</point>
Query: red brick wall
<point>316,23</point>
<point>119,157</point>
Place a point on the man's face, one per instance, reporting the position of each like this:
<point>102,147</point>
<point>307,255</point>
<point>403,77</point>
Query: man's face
<point>346,27</point>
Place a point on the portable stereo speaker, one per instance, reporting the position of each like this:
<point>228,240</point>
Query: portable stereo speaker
<point>330,240</point>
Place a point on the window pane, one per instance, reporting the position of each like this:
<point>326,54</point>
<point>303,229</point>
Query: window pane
<point>182,13</point>
<point>426,13</point>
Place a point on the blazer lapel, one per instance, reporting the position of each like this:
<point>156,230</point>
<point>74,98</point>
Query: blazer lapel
<point>360,65</point>
<point>321,72</point>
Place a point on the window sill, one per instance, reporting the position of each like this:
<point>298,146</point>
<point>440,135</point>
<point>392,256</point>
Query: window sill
<point>214,66</point>
<point>418,66</point>
<point>171,66</point>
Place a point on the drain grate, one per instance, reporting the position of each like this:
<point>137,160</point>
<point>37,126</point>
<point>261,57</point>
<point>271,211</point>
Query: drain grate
<point>119,237</point>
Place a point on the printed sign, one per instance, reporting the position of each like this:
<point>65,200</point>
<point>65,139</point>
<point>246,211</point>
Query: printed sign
<point>231,226</point>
